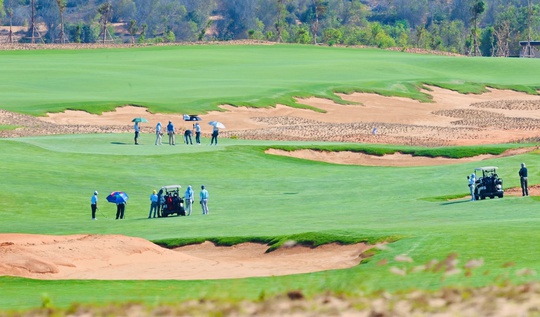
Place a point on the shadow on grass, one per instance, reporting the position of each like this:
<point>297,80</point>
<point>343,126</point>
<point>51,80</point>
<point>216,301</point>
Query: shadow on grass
<point>120,143</point>
<point>456,202</point>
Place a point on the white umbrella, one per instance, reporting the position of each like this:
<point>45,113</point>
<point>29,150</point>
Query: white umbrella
<point>217,124</point>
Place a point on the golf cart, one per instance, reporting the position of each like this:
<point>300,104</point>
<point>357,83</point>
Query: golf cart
<point>192,117</point>
<point>488,183</point>
<point>171,201</point>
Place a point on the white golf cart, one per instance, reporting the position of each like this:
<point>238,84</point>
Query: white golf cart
<point>171,202</point>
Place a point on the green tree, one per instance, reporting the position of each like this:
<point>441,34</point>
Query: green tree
<point>478,7</point>
<point>133,29</point>
<point>319,9</point>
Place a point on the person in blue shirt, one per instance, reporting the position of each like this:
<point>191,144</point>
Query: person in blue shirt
<point>203,195</point>
<point>197,129</point>
<point>159,134</point>
<point>188,200</point>
<point>137,130</point>
<point>93,205</point>
<point>170,133</point>
<point>154,202</point>
<point>523,178</point>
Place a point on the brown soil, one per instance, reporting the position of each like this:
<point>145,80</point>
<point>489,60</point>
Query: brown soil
<point>116,257</point>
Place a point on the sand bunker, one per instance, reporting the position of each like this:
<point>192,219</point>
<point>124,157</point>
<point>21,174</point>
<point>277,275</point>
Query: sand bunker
<point>396,159</point>
<point>116,257</point>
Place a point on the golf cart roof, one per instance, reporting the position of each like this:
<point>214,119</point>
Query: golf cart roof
<point>171,187</point>
<point>486,168</point>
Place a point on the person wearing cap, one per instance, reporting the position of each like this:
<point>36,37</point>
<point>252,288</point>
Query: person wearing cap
<point>197,129</point>
<point>523,174</point>
<point>93,205</point>
<point>159,134</point>
<point>203,195</point>
<point>472,185</point>
<point>188,200</point>
<point>154,201</point>
<point>170,133</point>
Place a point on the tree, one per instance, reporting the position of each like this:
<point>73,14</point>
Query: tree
<point>105,10</point>
<point>280,19</point>
<point>477,9</point>
<point>133,28</point>
<point>319,9</point>
<point>61,9</point>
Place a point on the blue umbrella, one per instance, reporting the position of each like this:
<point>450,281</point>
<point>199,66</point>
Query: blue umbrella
<point>117,197</point>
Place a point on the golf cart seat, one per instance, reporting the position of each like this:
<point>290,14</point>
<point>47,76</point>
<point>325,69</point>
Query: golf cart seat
<point>170,200</point>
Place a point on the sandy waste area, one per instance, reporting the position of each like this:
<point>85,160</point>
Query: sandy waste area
<point>496,116</point>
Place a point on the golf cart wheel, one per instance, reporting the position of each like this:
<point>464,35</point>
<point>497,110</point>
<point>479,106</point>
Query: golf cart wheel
<point>491,197</point>
<point>482,197</point>
<point>501,195</point>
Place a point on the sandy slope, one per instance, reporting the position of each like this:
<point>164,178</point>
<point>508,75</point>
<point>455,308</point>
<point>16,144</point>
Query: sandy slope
<point>116,257</point>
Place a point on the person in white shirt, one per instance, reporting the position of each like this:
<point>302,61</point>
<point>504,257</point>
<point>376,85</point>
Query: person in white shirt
<point>472,185</point>
<point>188,200</point>
<point>159,134</point>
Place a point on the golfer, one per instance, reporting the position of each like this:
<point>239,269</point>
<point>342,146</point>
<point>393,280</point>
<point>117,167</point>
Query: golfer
<point>197,129</point>
<point>203,195</point>
<point>215,133</point>
<point>93,205</point>
<point>170,133</point>
<point>472,185</point>
<point>523,174</point>
<point>187,137</point>
<point>188,200</point>
<point>159,134</point>
<point>137,130</point>
<point>154,202</point>
<point>120,207</point>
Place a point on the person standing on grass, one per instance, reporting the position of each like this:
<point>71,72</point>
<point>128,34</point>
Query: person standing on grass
<point>215,133</point>
<point>197,129</point>
<point>120,207</point>
<point>203,196</point>
<point>187,137</point>
<point>154,202</point>
<point>159,134</point>
<point>472,185</point>
<point>170,133</point>
<point>137,130</point>
<point>93,205</point>
<point>523,179</point>
<point>188,200</point>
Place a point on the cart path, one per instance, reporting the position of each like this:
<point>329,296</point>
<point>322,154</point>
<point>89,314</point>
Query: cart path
<point>117,257</point>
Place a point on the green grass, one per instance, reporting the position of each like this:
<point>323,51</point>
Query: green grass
<point>195,79</point>
<point>48,181</point>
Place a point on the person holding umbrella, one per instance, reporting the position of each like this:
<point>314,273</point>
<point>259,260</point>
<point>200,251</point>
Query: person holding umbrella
<point>93,204</point>
<point>120,199</point>
<point>215,131</point>
<point>137,130</point>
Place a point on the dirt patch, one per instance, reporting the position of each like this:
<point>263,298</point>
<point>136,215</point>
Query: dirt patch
<point>116,257</point>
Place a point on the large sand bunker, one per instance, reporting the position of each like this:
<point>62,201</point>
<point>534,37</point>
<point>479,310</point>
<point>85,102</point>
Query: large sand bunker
<point>116,257</point>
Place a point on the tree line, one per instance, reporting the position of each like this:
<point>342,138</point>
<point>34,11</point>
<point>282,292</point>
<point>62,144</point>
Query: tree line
<point>472,27</point>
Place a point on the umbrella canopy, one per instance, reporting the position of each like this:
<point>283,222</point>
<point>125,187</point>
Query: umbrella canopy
<point>139,119</point>
<point>117,197</point>
<point>217,124</point>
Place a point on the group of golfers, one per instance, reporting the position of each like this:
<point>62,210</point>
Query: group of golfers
<point>523,180</point>
<point>171,133</point>
<point>156,201</point>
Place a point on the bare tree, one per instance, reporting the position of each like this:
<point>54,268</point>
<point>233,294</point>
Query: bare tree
<point>502,37</point>
<point>10,13</point>
<point>105,10</point>
<point>280,19</point>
